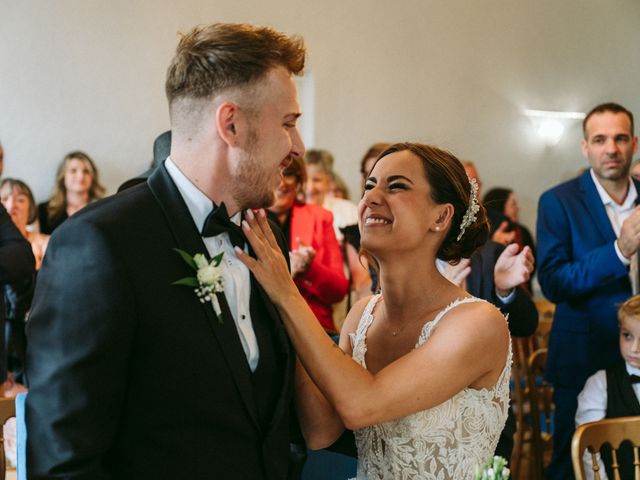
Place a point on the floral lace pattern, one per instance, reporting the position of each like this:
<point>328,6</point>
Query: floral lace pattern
<point>441,443</point>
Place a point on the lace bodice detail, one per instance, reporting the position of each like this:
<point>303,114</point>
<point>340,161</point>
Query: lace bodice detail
<point>440,443</point>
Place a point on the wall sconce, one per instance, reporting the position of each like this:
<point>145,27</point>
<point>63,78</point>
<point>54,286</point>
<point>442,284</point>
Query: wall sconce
<point>549,124</point>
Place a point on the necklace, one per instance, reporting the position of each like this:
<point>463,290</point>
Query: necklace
<point>399,329</point>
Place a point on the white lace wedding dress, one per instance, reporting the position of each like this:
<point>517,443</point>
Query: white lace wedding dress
<point>443,442</point>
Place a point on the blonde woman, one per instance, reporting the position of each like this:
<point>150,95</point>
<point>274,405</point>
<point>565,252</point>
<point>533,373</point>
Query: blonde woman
<point>76,186</point>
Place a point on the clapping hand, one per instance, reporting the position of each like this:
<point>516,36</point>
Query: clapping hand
<point>269,267</point>
<point>512,268</point>
<point>301,258</point>
<point>457,274</point>
<point>502,236</point>
<point>629,240</point>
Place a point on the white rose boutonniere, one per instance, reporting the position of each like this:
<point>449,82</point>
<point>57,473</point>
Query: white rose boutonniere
<point>208,280</point>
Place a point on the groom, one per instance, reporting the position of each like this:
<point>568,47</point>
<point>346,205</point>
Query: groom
<point>131,376</point>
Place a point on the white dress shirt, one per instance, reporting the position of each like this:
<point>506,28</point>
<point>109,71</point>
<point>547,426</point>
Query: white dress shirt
<point>592,406</point>
<point>235,275</point>
<point>617,215</point>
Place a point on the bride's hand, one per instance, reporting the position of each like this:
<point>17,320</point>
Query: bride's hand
<point>269,267</point>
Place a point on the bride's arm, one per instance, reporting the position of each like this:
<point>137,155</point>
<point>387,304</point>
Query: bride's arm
<point>321,425</point>
<point>468,351</point>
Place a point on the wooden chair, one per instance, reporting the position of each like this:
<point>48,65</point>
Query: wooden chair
<point>7,410</point>
<point>542,409</point>
<point>546,310</point>
<point>522,348</point>
<point>614,431</point>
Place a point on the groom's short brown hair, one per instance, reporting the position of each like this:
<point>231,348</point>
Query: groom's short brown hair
<point>213,58</point>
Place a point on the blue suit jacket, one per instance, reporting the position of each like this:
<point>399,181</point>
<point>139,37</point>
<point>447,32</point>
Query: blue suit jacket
<point>579,271</point>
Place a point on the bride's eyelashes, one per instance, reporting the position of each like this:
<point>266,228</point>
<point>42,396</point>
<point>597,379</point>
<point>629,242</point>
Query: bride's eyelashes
<point>398,186</point>
<point>391,186</point>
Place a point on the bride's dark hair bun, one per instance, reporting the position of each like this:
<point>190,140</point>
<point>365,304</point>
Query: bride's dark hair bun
<point>449,184</point>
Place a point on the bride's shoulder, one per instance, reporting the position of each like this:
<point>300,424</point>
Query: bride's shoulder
<point>476,315</point>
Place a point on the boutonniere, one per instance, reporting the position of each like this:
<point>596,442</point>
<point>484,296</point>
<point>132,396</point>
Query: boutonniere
<point>493,469</point>
<point>208,280</point>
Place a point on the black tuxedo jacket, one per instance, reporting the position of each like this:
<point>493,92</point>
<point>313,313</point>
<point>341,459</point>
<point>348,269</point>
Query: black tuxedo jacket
<point>132,377</point>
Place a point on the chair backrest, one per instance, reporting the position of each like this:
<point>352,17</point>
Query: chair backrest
<point>592,436</point>
<point>7,410</point>
<point>546,310</point>
<point>522,348</point>
<point>542,410</point>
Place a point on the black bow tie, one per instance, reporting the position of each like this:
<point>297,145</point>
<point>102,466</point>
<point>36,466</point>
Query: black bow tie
<point>218,222</point>
<point>634,378</point>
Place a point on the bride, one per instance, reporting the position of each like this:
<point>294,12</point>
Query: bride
<point>421,373</point>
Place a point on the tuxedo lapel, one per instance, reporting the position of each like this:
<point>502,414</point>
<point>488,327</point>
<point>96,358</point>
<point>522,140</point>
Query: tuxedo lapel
<point>281,334</point>
<point>281,337</point>
<point>188,239</point>
<point>593,205</point>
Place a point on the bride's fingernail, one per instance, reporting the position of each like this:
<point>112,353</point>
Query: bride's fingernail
<point>245,225</point>
<point>263,214</point>
<point>238,249</point>
<point>250,214</point>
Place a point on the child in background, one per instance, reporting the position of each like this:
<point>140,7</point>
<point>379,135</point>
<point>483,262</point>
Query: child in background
<point>615,392</point>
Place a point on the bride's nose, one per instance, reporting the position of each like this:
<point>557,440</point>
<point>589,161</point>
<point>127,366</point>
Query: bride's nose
<point>372,196</point>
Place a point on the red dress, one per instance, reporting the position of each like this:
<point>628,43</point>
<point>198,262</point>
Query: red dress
<point>324,283</point>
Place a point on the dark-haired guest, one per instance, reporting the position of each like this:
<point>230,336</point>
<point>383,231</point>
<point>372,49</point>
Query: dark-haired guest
<point>77,185</point>
<point>502,208</point>
<point>588,245</point>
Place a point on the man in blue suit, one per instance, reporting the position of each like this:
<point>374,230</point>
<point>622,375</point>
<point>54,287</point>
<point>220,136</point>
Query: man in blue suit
<point>588,236</point>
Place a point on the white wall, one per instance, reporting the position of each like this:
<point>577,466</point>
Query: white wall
<point>89,74</point>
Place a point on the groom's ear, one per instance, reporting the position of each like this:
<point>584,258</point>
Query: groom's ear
<point>227,118</point>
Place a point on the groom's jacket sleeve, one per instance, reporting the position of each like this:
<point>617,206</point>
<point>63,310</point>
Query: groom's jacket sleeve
<point>80,335</point>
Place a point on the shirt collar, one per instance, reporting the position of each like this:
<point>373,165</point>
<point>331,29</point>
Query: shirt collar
<point>629,201</point>
<point>198,204</point>
<point>632,370</point>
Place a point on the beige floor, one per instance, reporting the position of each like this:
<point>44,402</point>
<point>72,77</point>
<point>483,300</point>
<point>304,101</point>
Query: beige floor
<point>11,475</point>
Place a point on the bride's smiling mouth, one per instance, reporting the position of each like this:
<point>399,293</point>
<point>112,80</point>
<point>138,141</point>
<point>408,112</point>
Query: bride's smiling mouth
<point>373,220</point>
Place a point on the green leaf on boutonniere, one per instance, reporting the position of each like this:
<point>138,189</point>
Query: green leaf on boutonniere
<point>218,258</point>
<point>188,259</point>
<point>187,281</point>
<point>208,280</point>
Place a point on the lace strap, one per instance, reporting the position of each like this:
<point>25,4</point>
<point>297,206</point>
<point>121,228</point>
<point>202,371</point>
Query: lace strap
<point>430,325</point>
<point>367,315</point>
<point>358,339</point>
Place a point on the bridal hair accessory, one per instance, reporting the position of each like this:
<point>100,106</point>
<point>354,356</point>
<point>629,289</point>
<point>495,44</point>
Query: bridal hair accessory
<point>208,280</point>
<point>470,215</point>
